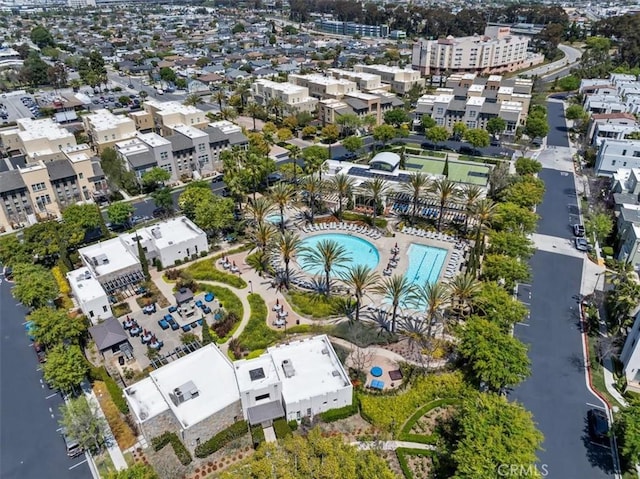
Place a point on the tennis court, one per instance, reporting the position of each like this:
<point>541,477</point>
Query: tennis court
<point>459,171</point>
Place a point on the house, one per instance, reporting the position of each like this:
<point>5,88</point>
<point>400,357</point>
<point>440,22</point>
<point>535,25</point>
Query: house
<point>89,294</point>
<point>38,140</point>
<point>109,336</point>
<point>630,357</point>
<point>614,154</point>
<point>293,96</point>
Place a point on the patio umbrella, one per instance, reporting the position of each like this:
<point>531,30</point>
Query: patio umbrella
<point>277,302</point>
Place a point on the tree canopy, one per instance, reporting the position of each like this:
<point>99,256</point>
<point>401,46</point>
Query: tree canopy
<point>527,192</point>
<point>35,285</point>
<point>396,117</point>
<point>497,305</point>
<point>478,137</point>
<point>502,268</point>
<point>66,366</point>
<point>83,422</point>
<point>119,212</point>
<point>514,218</point>
<point>54,326</point>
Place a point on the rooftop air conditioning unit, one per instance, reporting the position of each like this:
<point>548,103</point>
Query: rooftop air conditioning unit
<point>325,351</point>
<point>335,373</point>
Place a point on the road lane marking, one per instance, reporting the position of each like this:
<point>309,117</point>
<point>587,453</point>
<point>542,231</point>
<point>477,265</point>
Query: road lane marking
<point>523,324</point>
<point>596,406</point>
<point>50,396</point>
<point>76,465</point>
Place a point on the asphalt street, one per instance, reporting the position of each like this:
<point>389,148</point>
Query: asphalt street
<point>31,446</point>
<point>556,392</point>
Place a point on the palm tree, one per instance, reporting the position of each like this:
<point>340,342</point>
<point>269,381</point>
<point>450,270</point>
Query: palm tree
<point>192,100</point>
<point>395,288</point>
<point>376,190</point>
<point>288,245</point>
<point>243,90</point>
<point>281,194</point>
<point>228,113</point>
<point>417,334</point>
<point>313,187</point>
<point>359,277</point>
<point>342,185</point>
<point>327,253</point>
<point>259,208</point>
<point>295,153</point>
<point>264,235</point>
<point>483,211</point>
<point>276,105</point>
<point>463,288</point>
<point>219,97</point>
<point>433,297</point>
<point>418,183</point>
<point>254,110</point>
<point>470,195</point>
<point>446,190</point>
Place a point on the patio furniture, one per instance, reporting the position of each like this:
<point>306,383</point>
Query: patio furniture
<point>395,375</point>
<point>149,309</point>
<point>173,308</point>
<point>145,338</point>
<point>209,297</point>
<point>199,303</point>
<point>163,324</point>
<point>376,371</point>
<point>186,328</point>
<point>199,322</point>
<point>206,309</point>
<point>377,384</point>
<point>135,331</point>
<point>168,318</point>
<point>174,325</point>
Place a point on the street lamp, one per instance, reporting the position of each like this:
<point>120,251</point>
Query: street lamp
<point>251,286</point>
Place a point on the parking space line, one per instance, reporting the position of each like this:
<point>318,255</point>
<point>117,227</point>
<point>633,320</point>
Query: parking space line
<point>596,406</point>
<point>76,465</point>
<point>523,324</point>
<point>51,395</point>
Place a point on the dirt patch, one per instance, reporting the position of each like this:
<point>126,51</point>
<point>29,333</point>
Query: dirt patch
<point>125,436</point>
<point>350,428</point>
<point>421,466</point>
<point>428,423</point>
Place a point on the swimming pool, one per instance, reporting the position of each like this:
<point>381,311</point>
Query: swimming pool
<point>425,263</point>
<point>359,250</point>
<point>275,218</point>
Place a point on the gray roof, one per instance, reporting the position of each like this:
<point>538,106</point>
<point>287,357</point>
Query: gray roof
<point>59,169</point>
<point>142,159</point>
<point>10,181</point>
<point>457,105</point>
<point>108,334</point>
<point>238,138</point>
<point>490,108</point>
<point>183,295</point>
<point>216,135</point>
<point>624,198</point>
<point>630,216</point>
<point>265,412</point>
<point>97,168</point>
<point>355,103</point>
<point>180,142</point>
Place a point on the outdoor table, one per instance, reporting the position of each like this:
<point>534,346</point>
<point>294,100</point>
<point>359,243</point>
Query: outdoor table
<point>376,371</point>
<point>147,338</point>
<point>135,331</point>
<point>277,307</point>
<point>127,324</point>
<point>282,314</point>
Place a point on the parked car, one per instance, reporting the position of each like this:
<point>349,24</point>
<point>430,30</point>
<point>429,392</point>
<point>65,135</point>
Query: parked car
<point>582,244</point>
<point>158,212</point>
<point>578,230</point>
<point>598,426</point>
<point>40,352</point>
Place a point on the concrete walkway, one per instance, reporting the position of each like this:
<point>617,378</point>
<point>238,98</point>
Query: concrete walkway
<point>269,434</point>
<point>392,445</point>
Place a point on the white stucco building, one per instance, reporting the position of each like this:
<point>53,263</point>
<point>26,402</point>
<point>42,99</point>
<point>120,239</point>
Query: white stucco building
<point>89,294</point>
<point>615,154</point>
<point>630,356</point>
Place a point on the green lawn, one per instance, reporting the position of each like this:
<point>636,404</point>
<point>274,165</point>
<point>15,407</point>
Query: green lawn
<point>313,305</point>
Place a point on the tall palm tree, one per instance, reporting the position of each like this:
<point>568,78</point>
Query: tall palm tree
<point>243,89</point>
<point>360,277</point>
<point>281,194</point>
<point>264,235</point>
<point>228,113</point>
<point>416,186</point>
<point>396,288</point>
<point>259,208</point>
<point>446,190</point>
<point>276,105</point>
<point>470,194</point>
<point>254,110</point>
<point>288,245</point>
<point>313,187</point>
<point>192,100</point>
<point>376,190</point>
<point>463,288</point>
<point>342,185</point>
<point>329,254</point>
<point>220,96</point>
<point>483,212</point>
<point>432,297</point>
<point>295,153</point>
<point>417,335</point>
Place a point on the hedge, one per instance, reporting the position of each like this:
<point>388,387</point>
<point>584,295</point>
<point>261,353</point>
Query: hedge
<point>405,432</point>
<point>341,413</point>
<point>281,428</point>
<point>218,441</point>
<point>171,438</point>
<point>257,435</point>
<point>115,392</point>
<point>293,424</point>
<point>402,451</point>
<point>256,334</point>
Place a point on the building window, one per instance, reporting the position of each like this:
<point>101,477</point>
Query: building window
<point>81,175</point>
<point>624,152</point>
<point>38,187</point>
<point>104,309</point>
<point>91,315</point>
<point>636,154</point>
<point>263,396</point>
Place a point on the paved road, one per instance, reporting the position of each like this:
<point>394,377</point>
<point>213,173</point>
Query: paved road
<point>30,447</point>
<point>557,135</point>
<point>556,393</point>
<point>572,56</point>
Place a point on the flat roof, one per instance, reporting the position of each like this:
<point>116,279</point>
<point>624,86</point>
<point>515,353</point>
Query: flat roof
<point>284,87</point>
<point>105,120</point>
<point>188,131</point>
<point>313,361</point>
<point>153,139</point>
<point>213,375</point>
<point>173,231</point>
<point>46,128</point>
<point>168,107</point>
<point>145,399</point>
<point>108,256</point>
<point>85,285</point>
<point>255,373</point>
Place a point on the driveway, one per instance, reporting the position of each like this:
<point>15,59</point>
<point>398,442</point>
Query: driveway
<point>31,444</point>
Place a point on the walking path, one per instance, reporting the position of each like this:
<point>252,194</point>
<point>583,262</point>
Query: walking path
<point>392,445</point>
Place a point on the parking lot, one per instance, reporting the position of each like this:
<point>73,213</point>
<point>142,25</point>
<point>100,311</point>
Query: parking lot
<point>154,323</point>
<point>17,105</point>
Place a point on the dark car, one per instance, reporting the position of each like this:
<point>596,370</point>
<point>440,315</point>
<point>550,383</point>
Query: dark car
<point>158,212</point>
<point>468,150</point>
<point>40,352</point>
<point>578,230</point>
<point>598,426</point>
<point>581,244</point>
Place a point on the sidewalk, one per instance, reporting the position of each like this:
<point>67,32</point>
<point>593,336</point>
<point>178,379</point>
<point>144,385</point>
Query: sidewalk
<point>392,445</point>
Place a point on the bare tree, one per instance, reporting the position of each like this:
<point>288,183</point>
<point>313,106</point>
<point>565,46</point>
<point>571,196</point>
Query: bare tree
<point>361,358</point>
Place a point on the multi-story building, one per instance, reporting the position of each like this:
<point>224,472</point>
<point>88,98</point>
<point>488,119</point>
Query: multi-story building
<point>105,129</point>
<point>37,140</point>
<point>38,191</point>
<point>474,100</point>
<point>9,58</point>
<point>359,104</point>
<point>323,87</point>
<point>295,97</point>
<point>497,51</point>
<point>610,125</point>
<point>350,28</point>
<point>367,82</point>
<point>224,135</point>
<point>146,151</point>
<point>167,114</point>
<point>400,80</point>
<point>615,154</point>
<point>191,152</point>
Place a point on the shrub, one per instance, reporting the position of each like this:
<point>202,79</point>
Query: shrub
<point>115,392</point>
<point>405,433</point>
<point>256,334</point>
<point>177,262</point>
<point>63,284</point>
<point>122,431</point>
<point>293,424</point>
<point>607,251</point>
<point>257,435</point>
<point>256,353</point>
<point>203,253</point>
<point>313,305</point>
<point>172,274</point>
<point>218,441</point>
<point>350,216</point>
<point>121,309</point>
<point>171,438</point>
<point>401,452</point>
<point>281,428</point>
<point>341,413</point>
<point>205,270</point>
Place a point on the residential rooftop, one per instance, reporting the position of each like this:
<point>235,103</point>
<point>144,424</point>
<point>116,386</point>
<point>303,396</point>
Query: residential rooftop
<point>108,256</point>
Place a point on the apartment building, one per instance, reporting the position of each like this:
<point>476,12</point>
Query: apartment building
<point>295,97</point>
<point>146,151</point>
<point>38,191</point>
<point>367,82</point>
<point>37,140</point>
<point>324,87</point>
<point>400,80</point>
<point>105,129</point>
<point>616,126</point>
<point>224,135</point>
<point>615,154</point>
<point>357,103</point>
<point>351,28</point>
<point>474,100</point>
<point>497,51</point>
<point>191,152</point>
<point>167,114</point>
